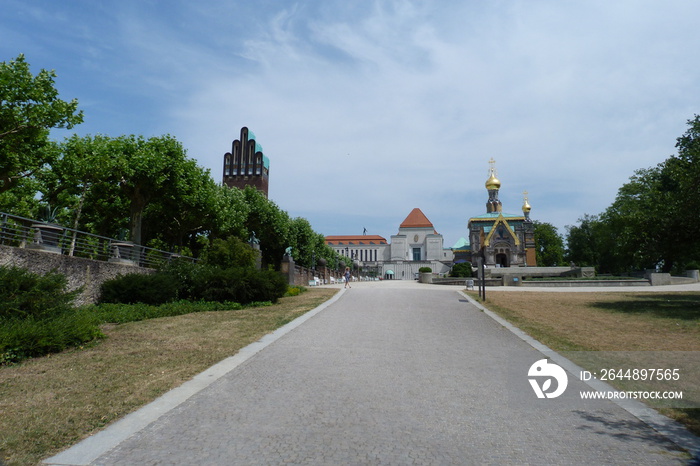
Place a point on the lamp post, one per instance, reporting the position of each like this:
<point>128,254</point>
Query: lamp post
<point>482,282</point>
<point>356,262</point>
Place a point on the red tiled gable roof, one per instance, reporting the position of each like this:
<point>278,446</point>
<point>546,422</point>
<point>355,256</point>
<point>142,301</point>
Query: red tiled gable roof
<point>355,239</point>
<point>416,219</point>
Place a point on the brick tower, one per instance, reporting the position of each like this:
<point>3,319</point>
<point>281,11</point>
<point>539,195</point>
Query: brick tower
<point>246,165</point>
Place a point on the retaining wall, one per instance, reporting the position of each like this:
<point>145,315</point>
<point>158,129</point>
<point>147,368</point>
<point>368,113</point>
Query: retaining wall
<point>79,272</point>
<point>575,283</point>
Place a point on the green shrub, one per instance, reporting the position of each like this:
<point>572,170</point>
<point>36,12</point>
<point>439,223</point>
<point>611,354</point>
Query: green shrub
<point>37,316</point>
<point>122,313</point>
<point>185,274</point>
<point>24,294</point>
<point>294,290</point>
<point>463,269</point>
<point>242,285</point>
<point>156,288</point>
<point>195,283</point>
<point>30,337</point>
<point>425,270</point>
<point>692,265</point>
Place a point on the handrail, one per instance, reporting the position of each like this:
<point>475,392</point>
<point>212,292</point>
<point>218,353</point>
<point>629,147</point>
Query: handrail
<point>34,234</point>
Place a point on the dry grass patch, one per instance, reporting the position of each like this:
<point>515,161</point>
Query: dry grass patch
<point>607,321</point>
<point>50,403</point>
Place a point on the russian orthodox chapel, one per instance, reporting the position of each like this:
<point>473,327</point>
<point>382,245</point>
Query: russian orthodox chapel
<point>502,239</point>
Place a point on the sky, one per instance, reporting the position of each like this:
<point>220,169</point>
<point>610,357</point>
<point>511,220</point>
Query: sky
<point>370,108</point>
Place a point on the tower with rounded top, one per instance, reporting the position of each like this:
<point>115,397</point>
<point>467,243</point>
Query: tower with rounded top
<point>493,184</point>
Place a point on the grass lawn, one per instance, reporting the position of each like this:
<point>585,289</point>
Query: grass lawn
<point>50,403</point>
<point>606,321</point>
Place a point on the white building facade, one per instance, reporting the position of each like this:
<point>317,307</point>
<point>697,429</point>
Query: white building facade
<point>416,245</point>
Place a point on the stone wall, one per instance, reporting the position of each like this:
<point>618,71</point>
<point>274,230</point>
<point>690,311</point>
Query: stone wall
<point>301,276</point>
<point>79,272</point>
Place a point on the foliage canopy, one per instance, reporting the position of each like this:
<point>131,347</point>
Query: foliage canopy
<point>653,222</point>
<point>29,108</point>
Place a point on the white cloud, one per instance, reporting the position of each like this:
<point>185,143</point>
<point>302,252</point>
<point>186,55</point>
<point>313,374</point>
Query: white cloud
<point>368,109</point>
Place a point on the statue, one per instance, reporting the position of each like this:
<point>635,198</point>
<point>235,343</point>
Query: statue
<point>288,251</point>
<point>253,239</point>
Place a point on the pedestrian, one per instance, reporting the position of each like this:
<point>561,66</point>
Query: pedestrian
<point>347,277</point>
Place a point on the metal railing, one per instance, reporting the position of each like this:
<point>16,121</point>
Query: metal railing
<point>33,234</point>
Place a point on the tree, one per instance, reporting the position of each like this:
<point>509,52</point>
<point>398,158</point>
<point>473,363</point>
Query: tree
<point>29,108</point>
<point>228,253</point>
<point>82,166</point>
<point>270,224</point>
<point>637,224</point>
<point>147,169</point>
<point>582,243</point>
<point>684,169</point>
<point>231,211</point>
<point>185,211</point>
<point>303,241</point>
<point>21,200</point>
<point>549,245</point>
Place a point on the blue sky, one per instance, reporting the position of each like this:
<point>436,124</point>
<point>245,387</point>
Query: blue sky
<point>367,109</point>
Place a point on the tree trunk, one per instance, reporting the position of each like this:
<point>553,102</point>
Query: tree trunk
<point>137,206</point>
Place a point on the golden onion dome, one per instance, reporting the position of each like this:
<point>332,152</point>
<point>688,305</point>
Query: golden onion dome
<point>526,204</point>
<point>493,182</point>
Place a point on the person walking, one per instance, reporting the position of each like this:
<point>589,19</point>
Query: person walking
<point>347,277</point>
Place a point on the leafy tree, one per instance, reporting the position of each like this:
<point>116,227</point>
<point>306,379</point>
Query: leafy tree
<point>684,171</point>
<point>549,245</point>
<point>637,224</point>
<point>231,210</point>
<point>582,242</point>
<point>81,170</point>
<point>146,169</point>
<point>653,221</point>
<point>186,210</point>
<point>21,200</point>
<point>303,241</point>
<point>270,224</point>
<point>229,252</point>
<point>29,108</point>
<point>325,251</point>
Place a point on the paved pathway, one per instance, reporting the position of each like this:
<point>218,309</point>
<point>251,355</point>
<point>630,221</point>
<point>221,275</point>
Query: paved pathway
<point>387,374</point>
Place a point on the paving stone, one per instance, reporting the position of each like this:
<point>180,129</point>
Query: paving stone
<point>392,376</point>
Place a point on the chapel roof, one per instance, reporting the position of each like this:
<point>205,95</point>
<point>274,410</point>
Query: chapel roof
<point>495,215</point>
<point>462,243</point>
<point>416,219</point>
